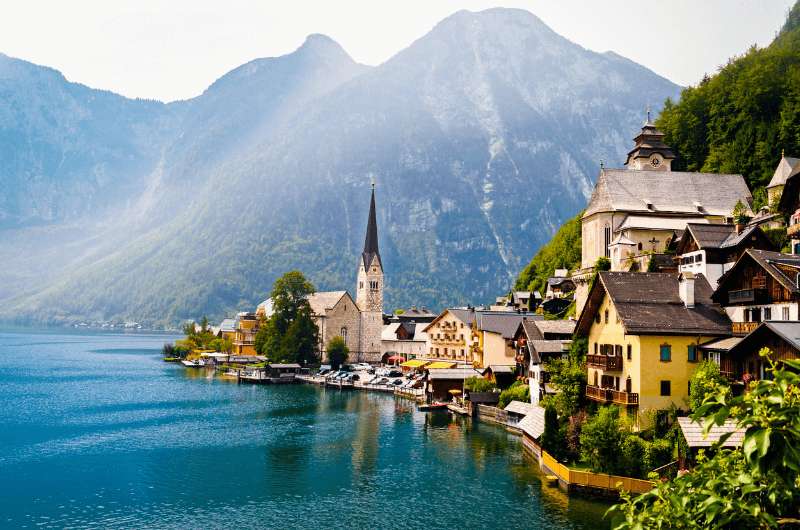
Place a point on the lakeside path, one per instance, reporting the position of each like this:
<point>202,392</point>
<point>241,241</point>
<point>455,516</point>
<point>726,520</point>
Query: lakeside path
<point>99,432</point>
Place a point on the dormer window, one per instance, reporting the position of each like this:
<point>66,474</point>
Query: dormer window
<point>648,204</point>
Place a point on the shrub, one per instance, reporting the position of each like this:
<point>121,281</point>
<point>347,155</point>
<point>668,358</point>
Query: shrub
<point>601,438</point>
<point>518,391</point>
<point>632,456</point>
<point>659,453</point>
<point>573,435</point>
<point>479,384</point>
<point>337,352</point>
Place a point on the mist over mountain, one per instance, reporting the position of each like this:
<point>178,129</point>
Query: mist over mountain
<point>482,137</point>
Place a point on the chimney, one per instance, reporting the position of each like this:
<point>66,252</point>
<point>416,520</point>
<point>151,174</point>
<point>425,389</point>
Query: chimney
<point>686,288</point>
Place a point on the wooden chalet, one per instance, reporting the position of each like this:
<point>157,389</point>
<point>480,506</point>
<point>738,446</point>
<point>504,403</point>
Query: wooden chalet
<point>762,285</point>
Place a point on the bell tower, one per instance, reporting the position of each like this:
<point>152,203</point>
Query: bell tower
<point>369,290</point>
<point>650,152</point>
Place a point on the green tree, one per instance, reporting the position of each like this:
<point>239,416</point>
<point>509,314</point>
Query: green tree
<point>302,338</point>
<point>704,382</point>
<point>754,486</point>
<point>290,333</point>
<point>601,439</point>
<point>262,337</point>
<point>568,376</point>
<point>337,352</point>
<point>551,439</point>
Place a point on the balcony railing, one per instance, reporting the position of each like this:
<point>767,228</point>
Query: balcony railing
<point>743,328</point>
<point>606,362</point>
<point>609,395</point>
<point>747,296</point>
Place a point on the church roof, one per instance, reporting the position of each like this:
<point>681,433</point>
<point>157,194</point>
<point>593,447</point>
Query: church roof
<point>371,240</point>
<point>650,140</point>
<point>692,194</point>
<point>321,302</point>
<point>787,167</point>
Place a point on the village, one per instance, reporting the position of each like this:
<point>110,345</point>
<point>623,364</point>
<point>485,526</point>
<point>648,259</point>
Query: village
<point>682,280</point>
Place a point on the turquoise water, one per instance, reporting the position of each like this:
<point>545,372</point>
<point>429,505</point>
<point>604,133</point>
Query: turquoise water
<point>96,431</point>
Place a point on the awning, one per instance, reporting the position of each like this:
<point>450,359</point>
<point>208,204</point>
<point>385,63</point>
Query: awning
<point>440,364</point>
<point>414,363</point>
<point>395,358</point>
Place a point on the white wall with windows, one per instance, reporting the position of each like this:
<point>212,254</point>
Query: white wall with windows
<point>760,313</point>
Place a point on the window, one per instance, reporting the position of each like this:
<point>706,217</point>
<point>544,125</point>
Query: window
<point>373,284</point>
<point>785,311</point>
<point>666,353</point>
<point>360,285</point>
<point>595,348</point>
<point>767,313</point>
<point>665,388</point>
<point>343,333</point>
<point>692,353</point>
<point>699,258</point>
<point>639,246</point>
<point>606,316</point>
<point>597,317</point>
<point>630,352</point>
<point>606,240</point>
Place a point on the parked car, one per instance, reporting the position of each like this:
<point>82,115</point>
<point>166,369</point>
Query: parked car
<point>395,373</point>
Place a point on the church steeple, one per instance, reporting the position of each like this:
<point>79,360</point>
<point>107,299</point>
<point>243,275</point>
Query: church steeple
<point>371,239</point>
<point>650,152</point>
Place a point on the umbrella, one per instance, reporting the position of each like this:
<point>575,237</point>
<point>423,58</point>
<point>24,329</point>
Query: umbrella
<point>395,359</point>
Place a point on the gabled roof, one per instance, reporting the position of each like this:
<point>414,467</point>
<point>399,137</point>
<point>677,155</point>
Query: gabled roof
<point>771,262</point>
<point>787,167</point>
<point>693,433</point>
<point>521,407</point>
<point>228,324</point>
<point>533,423</point>
<point>321,302</point>
<point>667,192</point>
<point>786,330</point>
<point>561,327</point>
<point>714,236</point>
<point>538,348</point>
<point>502,323</point>
<point>648,304</point>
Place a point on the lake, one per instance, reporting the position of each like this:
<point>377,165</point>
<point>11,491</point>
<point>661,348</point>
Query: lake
<point>97,431</point>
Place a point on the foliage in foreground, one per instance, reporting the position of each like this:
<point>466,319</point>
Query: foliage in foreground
<point>755,486</point>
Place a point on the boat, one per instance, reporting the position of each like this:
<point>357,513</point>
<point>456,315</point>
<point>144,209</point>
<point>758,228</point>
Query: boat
<point>197,363</point>
<point>436,405</point>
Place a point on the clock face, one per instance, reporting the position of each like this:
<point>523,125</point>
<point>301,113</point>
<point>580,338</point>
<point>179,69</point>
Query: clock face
<point>655,161</point>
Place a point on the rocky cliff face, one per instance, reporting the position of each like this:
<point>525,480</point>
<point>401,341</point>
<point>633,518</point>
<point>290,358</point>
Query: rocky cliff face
<point>482,136</point>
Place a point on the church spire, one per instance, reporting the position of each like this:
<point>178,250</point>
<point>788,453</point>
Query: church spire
<point>371,239</point>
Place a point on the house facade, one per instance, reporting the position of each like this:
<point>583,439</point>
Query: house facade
<point>450,337</point>
<point>643,332</point>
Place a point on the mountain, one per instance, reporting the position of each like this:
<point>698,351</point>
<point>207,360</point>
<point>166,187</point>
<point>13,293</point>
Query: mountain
<point>483,136</point>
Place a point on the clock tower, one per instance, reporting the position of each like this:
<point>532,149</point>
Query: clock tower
<point>650,152</point>
<point>369,290</point>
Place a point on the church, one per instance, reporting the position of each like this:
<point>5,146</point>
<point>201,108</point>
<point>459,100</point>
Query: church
<point>359,322</point>
<point>637,213</point>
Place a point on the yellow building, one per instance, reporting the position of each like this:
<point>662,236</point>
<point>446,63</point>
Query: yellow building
<point>450,337</point>
<point>245,336</point>
<point>643,332</point>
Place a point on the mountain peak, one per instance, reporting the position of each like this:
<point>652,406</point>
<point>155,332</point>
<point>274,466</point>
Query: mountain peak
<point>323,46</point>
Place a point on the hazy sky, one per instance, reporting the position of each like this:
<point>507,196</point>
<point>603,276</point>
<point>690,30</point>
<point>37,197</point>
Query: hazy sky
<point>173,49</point>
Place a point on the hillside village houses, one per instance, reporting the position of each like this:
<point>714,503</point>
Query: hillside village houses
<point>718,292</point>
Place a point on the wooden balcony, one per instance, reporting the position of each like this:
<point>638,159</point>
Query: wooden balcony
<point>609,395</point>
<point>747,296</point>
<point>610,363</point>
<point>743,328</point>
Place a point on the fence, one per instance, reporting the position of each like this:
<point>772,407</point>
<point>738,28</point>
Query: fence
<point>575,480</point>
